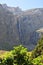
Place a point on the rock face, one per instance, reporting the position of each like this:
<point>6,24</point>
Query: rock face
<point>19,27</point>
<point>8,29</point>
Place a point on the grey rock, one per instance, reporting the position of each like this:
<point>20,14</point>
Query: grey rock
<point>19,27</point>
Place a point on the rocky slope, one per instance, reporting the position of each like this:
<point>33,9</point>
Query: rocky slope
<point>19,27</point>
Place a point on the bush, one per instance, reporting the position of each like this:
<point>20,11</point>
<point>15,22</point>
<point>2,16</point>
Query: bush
<point>38,61</point>
<point>8,60</point>
<point>20,55</point>
<point>1,61</point>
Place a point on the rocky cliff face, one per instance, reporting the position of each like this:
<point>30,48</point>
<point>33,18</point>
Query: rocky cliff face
<point>8,29</point>
<point>19,27</point>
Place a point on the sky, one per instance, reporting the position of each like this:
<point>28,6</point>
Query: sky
<point>23,4</point>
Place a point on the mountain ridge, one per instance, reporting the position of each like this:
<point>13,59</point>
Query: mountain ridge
<point>20,28</point>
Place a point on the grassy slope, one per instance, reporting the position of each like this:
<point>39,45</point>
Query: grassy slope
<point>2,53</point>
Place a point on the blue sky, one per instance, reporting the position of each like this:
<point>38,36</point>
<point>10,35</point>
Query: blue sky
<point>24,4</point>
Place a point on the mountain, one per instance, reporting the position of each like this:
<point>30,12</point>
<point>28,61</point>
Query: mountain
<point>14,10</point>
<point>19,27</point>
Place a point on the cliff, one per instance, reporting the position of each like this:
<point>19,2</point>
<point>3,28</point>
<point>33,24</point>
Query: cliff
<point>19,27</point>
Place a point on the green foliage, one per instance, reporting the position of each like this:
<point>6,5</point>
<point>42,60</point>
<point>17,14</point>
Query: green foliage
<point>20,55</point>
<point>1,61</point>
<point>38,49</point>
<point>38,60</point>
<point>20,50</point>
<point>8,59</point>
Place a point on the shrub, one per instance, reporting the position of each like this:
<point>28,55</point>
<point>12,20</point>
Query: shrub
<point>8,60</point>
<point>20,55</point>
<point>1,61</point>
<point>38,49</point>
<point>38,61</point>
